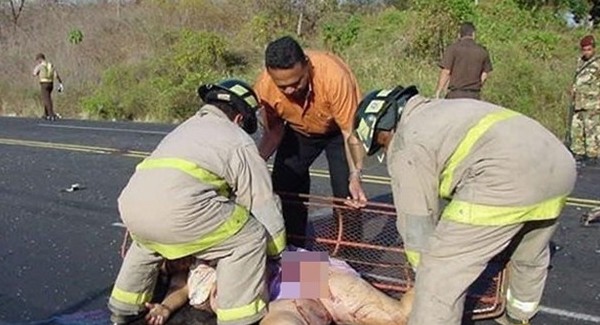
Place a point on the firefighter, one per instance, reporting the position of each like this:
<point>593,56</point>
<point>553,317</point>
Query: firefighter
<point>505,176</point>
<point>204,191</point>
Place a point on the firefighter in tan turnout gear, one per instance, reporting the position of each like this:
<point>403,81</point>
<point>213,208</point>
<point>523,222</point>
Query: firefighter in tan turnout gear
<point>204,191</point>
<point>505,176</point>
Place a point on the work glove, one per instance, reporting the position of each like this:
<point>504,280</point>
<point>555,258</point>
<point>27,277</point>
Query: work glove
<point>60,88</point>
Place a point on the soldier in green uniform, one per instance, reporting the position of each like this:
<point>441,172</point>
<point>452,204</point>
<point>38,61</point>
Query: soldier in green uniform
<point>585,121</point>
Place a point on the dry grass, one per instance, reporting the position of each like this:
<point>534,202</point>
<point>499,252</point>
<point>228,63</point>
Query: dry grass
<point>110,36</point>
<point>533,57</point>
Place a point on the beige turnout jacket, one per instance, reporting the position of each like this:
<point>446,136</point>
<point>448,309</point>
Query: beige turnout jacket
<point>495,166</point>
<point>167,206</point>
<point>197,188</point>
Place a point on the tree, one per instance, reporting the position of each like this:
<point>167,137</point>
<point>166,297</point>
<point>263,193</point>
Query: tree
<point>310,12</point>
<point>16,8</point>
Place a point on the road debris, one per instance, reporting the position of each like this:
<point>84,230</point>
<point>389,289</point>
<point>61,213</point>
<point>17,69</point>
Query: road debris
<point>73,188</point>
<point>590,217</point>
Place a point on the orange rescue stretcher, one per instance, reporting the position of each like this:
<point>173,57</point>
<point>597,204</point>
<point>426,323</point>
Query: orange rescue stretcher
<point>368,240</point>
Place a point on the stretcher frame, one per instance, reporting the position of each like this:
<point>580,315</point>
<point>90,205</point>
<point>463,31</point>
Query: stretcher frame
<point>485,299</point>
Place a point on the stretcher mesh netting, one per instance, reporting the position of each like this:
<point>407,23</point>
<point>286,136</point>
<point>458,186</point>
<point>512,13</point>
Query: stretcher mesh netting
<point>368,240</point>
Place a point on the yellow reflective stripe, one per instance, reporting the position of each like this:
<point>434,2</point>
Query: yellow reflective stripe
<point>526,307</point>
<point>244,94</point>
<point>486,215</point>
<point>249,310</point>
<point>466,144</point>
<point>132,298</point>
<point>189,168</point>
<point>413,257</point>
<point>277,244</point>
<point>173,251</point>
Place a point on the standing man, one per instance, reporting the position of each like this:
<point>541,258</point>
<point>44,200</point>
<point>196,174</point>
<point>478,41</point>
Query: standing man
<point>47,73</point>
<point>465,66</point>
<point>204,191</point>
<point>309,102</point>
<point>505,176</point>
<point>585,121</point>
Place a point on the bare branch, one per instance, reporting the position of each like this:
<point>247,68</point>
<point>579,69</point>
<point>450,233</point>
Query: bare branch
<point>16,8</point>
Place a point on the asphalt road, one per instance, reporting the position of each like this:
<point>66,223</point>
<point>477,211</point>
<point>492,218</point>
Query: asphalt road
<point>59,250</point>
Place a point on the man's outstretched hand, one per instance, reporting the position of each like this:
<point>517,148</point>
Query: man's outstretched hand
<point>357,198</point>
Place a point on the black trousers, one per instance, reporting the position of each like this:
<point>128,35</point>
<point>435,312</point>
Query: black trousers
<point>295,155</point>
<point>46,93</point>
<point>457,93</point>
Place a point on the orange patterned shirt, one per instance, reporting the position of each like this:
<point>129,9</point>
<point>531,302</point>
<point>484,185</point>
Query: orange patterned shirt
<point>331,103</point>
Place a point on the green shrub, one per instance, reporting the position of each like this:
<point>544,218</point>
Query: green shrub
<point>163,88</point>
<point>75,36</point>
<point>340,34</point>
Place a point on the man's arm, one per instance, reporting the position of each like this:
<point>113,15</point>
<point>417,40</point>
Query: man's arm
<point>252,183</point>
<point>36,69</point>
<point>273,127</point>
<point>442,84</point>
<point>176,297</point>
<point>356,155</point>
<point>484,76</point>
<point>135,283</point>
<point>60,85</point>
<point>345,98</point>
<point>446,65</point>
<point>416,197</point>
<point>57,76</point>
<point>487,67</point>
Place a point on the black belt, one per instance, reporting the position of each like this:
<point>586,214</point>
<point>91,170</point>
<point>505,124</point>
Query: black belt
<point>467,90</point>
<point>315,135</point>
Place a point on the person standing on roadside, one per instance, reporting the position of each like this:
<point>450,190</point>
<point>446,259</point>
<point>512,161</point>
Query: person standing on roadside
<point>585,112</point>
<point>465,66</point>
<point>47,73</point>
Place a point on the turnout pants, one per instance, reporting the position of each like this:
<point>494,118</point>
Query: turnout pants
<point>458,254</point>
<point>241,288</point>
<point>46,94</point>
<point>295,155</point>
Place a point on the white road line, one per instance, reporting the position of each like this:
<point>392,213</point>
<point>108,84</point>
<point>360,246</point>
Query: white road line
<point>102,129</point>
<point>570,314</point>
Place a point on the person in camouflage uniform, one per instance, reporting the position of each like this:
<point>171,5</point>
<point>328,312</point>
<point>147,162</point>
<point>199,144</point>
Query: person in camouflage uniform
<point>585,122</point>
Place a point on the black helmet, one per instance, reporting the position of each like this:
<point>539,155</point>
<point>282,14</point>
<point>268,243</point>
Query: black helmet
<point>380,110</point>
<point>236,93</point>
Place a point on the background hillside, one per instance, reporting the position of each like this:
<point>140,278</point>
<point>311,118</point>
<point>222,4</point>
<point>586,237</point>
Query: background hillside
<point>143,60</point>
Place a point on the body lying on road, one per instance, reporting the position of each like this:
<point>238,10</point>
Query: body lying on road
<point>350,299</point>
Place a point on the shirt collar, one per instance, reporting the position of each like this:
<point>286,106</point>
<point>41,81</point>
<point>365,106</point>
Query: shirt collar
<point>212,110</point>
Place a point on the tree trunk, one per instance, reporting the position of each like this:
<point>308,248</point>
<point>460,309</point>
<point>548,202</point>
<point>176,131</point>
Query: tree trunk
<point>299,27</point>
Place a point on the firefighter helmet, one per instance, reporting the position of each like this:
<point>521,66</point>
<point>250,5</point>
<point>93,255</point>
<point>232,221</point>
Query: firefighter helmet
<point>236,93</point>
<point>380,110</point>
